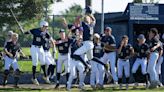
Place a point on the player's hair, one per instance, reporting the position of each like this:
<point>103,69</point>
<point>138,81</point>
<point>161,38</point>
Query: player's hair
<point>15,35</point>
<point>154,30</point>
<point>125,37</point>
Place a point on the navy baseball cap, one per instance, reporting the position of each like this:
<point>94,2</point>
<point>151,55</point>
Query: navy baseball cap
<point>141,36</point>
<point>61,30</point>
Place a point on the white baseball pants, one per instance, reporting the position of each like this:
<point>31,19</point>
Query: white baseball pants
<point>137,63</point>
<point>123,65</point>
<point>37,54</point>
<point>111,58</point>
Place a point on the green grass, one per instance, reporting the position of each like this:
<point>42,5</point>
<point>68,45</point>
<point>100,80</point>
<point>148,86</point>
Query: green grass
<point>26,50</point>
<point>88,89</point>
<point>26,66</point>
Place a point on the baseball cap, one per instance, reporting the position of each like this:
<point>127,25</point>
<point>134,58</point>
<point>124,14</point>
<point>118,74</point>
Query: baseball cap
<point>61,30</point>
<point>141,36</point>
<point>10,33</point>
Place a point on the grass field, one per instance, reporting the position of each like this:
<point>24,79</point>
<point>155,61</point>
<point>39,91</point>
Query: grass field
<point>88,89</point>
<point>25,66</point>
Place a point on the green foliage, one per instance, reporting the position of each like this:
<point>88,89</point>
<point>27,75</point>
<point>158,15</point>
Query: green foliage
<point>137,1</point>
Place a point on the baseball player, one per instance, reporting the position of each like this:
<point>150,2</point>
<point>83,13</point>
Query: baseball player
<point>97,68</point>
<point>142,52</point>
<point>109,56</point>
<point>48,43</point>
<point>76,64</point>
<point>37,51</point>
<point>154,44</point>
<point>159,64</point>
<point>12,48</point>
<point>63,44</point>
<point>87,25</point>
<point>125,51</point>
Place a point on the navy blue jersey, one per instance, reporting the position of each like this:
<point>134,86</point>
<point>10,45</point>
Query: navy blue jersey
<point>87,31</point>
<point>126,51</point>
<point>47,41</point>
<point>98,50</point>
<point>108,40</point>
<point>37,36</point>
<point>74,47</point>
<point>142,50</point>
<point>63,47</point>
<point>153,42</point>
<point>12,48</point>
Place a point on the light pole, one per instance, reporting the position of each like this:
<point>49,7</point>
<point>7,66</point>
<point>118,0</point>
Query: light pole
<point>102,16</point>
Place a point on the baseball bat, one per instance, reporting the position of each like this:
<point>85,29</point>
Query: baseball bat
<point>20,27</point>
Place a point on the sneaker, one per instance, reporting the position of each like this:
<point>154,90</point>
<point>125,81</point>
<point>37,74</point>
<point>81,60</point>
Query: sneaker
<point>147,85</point>
<point>57,85</point>
<point>120,85</point>
<point>46,79</point>
<point>115,84</point>
<point>160,85</point>
<point>135,85</point>
<point>16,86</point>
<point>93,87</point>
<point>35,81</point>
<point>4,82</point>
<point>81,87</point>
<point>127,86</point>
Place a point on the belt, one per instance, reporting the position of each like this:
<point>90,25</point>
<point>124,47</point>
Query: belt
<point>46,50</point>
<point>63,53</point>
<point>37,46</point>
<point>124,59</point>
<point>141,57</point>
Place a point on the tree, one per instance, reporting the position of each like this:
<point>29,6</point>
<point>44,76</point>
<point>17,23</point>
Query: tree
<point>137,1</point>
<point>145,1</point>
<point>27,12</point>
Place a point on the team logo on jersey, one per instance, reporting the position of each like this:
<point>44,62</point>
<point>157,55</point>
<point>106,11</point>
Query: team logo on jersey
<point>97,51</point>
<point>151,44</point>
<point>121,54</point>
<point>46,45</point>
<point>61,48</point>
<point>38,39</point>
<point>127,51</point>
<point>66,44</point>
<point>142,51</point>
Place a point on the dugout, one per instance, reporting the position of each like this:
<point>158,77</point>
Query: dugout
<point>136,19</point>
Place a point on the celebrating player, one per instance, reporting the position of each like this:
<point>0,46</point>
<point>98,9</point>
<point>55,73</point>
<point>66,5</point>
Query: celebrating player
<point>63,44</point>
<point>12,48</point>
<point>154,44</point>
<point>142,52</point>
<point>76,64</point>
<point>109,56</point>
<point>48,43</point>
<point>87,25</point>
<point>37,51</point>
<point>125,51</point>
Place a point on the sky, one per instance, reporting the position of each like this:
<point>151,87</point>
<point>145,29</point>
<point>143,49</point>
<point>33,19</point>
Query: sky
<point>109,5</point>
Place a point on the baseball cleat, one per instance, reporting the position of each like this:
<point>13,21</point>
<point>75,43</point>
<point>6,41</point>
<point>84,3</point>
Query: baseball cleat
<point>35,81</point>
<point>46,79</point>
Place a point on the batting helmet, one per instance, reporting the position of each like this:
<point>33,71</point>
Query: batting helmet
<point>43,23</point>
